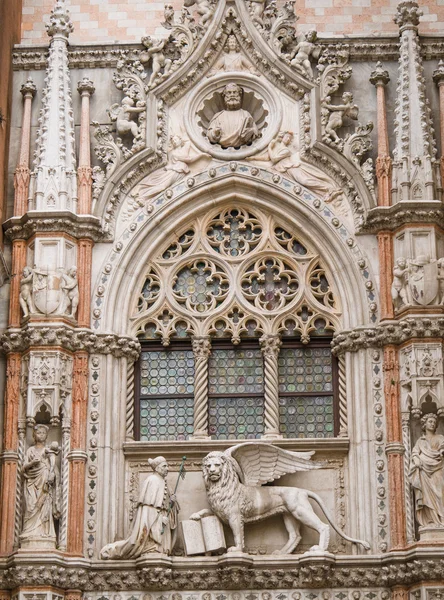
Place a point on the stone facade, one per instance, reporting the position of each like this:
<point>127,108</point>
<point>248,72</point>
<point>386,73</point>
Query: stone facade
<point>223,349</point>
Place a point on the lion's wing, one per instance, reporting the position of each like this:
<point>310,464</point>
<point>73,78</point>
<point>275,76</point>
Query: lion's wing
<point>261,463</point>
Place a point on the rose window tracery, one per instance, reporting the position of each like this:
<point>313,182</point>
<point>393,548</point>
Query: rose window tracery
<point>234,233</point>
<point>201,286</point>
<point>270,283</point>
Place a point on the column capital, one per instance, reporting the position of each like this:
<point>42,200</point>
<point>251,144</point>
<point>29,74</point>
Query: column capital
<point>438,74</point>
<point>201,346</point>
<point>85,87</point>
<point>379,77</point>
<point>270,344</point>
<point>28,89</point>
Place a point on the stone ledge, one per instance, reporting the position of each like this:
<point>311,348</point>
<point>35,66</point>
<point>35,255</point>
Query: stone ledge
<point>239,571</point>
<point>389,332</point>
<point>391,218</point>
<point>77,226</point>
<point>68,338</point>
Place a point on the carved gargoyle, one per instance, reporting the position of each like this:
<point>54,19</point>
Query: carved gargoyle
<point>234,480</point>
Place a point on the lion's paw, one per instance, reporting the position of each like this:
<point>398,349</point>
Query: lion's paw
<point>195,517</point>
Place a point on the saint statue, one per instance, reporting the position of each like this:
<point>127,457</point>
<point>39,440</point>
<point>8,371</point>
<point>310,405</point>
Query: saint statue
<point>155,525</point>
<point>41,492</point>
<point>233,127</point>
<point>427,474</point>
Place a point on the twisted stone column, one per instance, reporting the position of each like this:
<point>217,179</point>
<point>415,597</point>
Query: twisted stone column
<point>270,346</point>
<point>410,521</point>
<point>19,494</point>
<point>343,425</point>
<point>63,529</point>
<point>202,351</point>
<point>130,400</point>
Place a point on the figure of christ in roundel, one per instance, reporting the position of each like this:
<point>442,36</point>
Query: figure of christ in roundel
<point>233,127</point>
<point>284,158</point>
<point>155,524</point>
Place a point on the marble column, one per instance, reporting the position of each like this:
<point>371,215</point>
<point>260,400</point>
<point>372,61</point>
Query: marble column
<point>438,77</point>
<point>10,454</point>
<point>385,248</point>
<point>270,346</point>
<point>22,172</point>
<point>77,456</point>
<point>380,78</point>
<point>84,172</point>
<point>202,351</point>
<point>18,264</point>
<point>394,448</point>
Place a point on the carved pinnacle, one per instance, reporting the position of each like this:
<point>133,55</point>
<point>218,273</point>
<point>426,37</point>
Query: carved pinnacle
<point>59,21</point>
<point>379,76</point>
<point>408,14</point>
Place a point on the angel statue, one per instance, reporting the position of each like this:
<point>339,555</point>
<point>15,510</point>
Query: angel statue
<point>121,114</point>
<point>234,479</point>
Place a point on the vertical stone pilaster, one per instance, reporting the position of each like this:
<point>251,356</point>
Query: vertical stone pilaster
<point>380,78</point>
<point>84,263</point>
<point>385,247</point>
<point>9,458</point>
<point>202,351</point>
<point>77,455</point>
<point>394,448</point>
<point>22,172</point>
<point>18,264</point>
<point>84,172</point>
<point>270,346</point>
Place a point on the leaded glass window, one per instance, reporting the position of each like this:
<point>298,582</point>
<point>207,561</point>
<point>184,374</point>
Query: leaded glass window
<point>166,393</point>
<point>307,390</point>
<point>236,392</point>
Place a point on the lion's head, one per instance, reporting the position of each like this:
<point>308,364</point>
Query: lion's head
<point>219,469</point>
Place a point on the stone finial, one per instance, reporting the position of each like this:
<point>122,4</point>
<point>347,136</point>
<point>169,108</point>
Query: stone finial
<point>28,88</point>
<point>86,86</point>
<point>438,74</point>
<point>379,76</point>
<point>59,21</point>
<point>408,14</point>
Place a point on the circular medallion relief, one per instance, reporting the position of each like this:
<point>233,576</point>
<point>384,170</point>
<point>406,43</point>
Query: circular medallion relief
<point>232,116</point>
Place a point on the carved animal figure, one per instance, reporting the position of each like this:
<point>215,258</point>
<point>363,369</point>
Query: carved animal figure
<point>233,481</point>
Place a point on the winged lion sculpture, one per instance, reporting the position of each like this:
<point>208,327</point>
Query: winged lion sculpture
<point>234,480</point>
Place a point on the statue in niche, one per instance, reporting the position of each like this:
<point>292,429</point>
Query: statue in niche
<point>303,51</point>
<point>232,59</point>
<point>155,524</point>
<point>121,114</point>
<point>70,288</point>
<point>233,127</point>
<point>41,492</point>
<point>234,480</point>
<point>399,284</point>
<point>180,156</point>
<point>26,283</point>
<point>285,159</point>
<point>338,112</point>
<point>427,474</point>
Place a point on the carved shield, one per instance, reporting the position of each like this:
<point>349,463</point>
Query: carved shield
<point>423,284</point>
<point>46,291</point>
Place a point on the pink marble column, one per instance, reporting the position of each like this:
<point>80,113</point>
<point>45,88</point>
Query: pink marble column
<point>380,78</point>
<point>22,172</point>
<point>438,77</point>
<point>84,172</point>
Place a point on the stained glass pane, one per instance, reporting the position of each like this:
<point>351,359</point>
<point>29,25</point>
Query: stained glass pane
<point>305,370</point>
<point>166,419</point>
<point>236,371</point>
<point>309,417</point>
<point>166,372</point>
<point>236,418</point>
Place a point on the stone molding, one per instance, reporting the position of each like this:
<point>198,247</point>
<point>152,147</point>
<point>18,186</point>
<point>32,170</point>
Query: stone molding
<point>388,332</point>
<point>391,218</point>
<point>77,226</point>
<point>228,572</point>
<point>73,340</point>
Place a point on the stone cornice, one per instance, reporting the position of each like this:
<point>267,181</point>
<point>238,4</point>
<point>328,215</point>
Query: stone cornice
<point>389,332</point>
<point>228,572</point>
<point>78,226</point>
<point>392,217</point>
<point>69,338</point>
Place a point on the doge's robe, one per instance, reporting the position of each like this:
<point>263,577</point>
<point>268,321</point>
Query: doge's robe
<point>146,535</point>
<point>237,128</point>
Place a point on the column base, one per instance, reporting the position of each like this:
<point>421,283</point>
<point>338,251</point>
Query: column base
<point>200,436</point>
<point>272,436</point>
<point>430,532</point>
